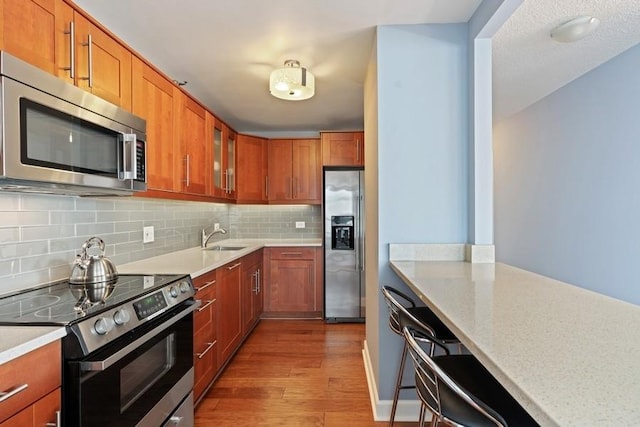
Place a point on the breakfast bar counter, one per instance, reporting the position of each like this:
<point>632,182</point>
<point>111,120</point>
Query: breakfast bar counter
<point>570,356</point>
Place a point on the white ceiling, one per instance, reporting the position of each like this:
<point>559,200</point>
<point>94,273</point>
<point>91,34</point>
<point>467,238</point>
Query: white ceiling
<point>225,50</point>
<point>528,65</point>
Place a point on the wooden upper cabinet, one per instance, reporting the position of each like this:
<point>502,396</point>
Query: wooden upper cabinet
<point>40,32</point>
<point>153,100</point>
<point>307,170</point>
<point>32,29</point>
<point>295,171</point>
<point>252,169</point>
<point>192,163</point>
<point>103,65</point>
<point>342,148</point>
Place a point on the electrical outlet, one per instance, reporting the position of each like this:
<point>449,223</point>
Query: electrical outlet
<point>147,234</point>
<point>216,226</point>
<point>300,224</point>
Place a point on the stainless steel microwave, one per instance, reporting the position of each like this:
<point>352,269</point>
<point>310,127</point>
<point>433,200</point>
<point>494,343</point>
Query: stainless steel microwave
<point>58,138</point>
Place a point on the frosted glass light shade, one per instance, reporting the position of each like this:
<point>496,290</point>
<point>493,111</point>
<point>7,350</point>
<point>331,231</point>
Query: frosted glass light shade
<point>575,29</point>
<point>292,82</point>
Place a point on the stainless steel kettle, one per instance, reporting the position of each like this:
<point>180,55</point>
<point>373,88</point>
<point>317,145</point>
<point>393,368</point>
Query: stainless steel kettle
<point>95,268</point>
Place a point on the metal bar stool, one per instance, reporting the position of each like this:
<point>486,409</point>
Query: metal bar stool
<point>458,390</point>
<point>421,318</point>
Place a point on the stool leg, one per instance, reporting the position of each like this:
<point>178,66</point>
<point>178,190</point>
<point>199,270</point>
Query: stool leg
<point>396,393</point>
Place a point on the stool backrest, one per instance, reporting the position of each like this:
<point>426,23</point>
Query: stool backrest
<point>432,383</point>
<point>399,315</point>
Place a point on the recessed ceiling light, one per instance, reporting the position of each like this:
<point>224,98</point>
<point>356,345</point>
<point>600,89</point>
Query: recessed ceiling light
<point>575,29</point>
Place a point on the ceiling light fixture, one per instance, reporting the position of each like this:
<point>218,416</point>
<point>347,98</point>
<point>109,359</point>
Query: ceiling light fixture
<point>575,29</point>
<point>292,82</point>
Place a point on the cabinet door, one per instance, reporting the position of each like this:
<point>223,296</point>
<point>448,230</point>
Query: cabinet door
<point>214,129</point>
<point>249,288</point>
<point>252,169</point>
<point>291,287</point>
<point>153,101</point>
<point>307,170</point>
<point>192,125</point>
<point>229,310</point>
<point>343,149</point>
<point>30,31</point>
<point>279,176</point>
<point>103,65</point>
<point>46,410</point>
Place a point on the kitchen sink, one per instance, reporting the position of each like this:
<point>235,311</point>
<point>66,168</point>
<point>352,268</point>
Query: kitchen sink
<point>224,248</point>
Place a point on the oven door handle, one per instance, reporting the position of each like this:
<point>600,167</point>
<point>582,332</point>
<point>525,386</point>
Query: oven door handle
<point>101,365</point>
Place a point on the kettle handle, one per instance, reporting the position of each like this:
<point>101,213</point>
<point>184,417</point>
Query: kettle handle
<point>90,243</point>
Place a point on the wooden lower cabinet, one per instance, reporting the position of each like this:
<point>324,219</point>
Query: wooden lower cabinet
<point>229,311</point>
<point>251,291</point>
<point>39,403</point>
<point>43,412</point>
<point>205,351</point>
<point>293,282</point>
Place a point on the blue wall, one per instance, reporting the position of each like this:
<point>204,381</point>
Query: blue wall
<point>567,182</point>
<point>422,97</point>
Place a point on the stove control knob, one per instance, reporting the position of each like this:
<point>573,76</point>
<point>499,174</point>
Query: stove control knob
<point>121,317</point>
<point>103,325</point>
<point>184,287</point>
<point>173,290</point>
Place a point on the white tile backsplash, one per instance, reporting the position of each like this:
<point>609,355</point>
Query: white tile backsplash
<point>40,234</point>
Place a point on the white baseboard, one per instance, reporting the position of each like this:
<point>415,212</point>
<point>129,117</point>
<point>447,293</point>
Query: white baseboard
<point>406,411</point>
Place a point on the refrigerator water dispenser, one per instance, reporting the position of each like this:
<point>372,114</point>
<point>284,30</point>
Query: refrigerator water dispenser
<point>342,236</point>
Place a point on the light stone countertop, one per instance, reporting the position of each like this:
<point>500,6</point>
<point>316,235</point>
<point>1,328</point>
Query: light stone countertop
<point>570,356</point>
<point>16,341</point>
<point>196,261</point>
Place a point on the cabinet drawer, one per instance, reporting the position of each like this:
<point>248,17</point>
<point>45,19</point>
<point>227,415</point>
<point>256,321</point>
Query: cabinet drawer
<point>292,253</point>
<point>203,314</point>
<point>39,369</point>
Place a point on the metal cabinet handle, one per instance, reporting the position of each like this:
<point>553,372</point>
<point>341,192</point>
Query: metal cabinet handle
<point>89,45</point>
<point>58,422</point>
<point>259,279</point>
<point>8,394</point>
<point>205,286</point>
<point>234,266</point>
<point>291,253</point>
<point>187,167</point>
<point>295,188</point>
<point>206,350</point>
<point>204,307</point>
<point>72,50</point>
<point>254,289</point>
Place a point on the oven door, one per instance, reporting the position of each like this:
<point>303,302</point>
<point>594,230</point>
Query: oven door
<point>138,380</point>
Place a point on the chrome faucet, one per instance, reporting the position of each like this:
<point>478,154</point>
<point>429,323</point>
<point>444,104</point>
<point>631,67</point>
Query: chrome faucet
<point>205,237</point>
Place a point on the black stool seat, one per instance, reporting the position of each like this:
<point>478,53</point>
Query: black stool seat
<point>474,378</point>
<point>468,373</point>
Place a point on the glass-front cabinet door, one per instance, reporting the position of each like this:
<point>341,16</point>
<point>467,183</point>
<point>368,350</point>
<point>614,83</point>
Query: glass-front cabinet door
<point>231,165</point>
<point>223,162</point>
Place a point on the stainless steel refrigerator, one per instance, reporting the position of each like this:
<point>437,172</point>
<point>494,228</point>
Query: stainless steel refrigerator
<point>343,207</point>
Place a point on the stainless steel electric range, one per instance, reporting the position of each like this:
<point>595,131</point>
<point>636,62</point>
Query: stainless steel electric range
<point>128,353</point>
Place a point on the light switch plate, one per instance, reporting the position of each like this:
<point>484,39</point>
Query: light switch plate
<point>216,226</point>
<point>147,234</point>
<point>300,224</point>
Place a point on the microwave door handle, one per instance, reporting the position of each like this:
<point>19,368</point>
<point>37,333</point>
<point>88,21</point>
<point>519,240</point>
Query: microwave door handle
<point>129,158</point>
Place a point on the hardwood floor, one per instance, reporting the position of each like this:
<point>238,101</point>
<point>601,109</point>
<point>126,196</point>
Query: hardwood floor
<point>293,373</point>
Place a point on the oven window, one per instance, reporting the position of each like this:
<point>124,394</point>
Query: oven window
<point>144,371</point>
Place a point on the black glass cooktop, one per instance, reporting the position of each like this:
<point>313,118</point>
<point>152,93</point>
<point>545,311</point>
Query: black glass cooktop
<point>61,303</point>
